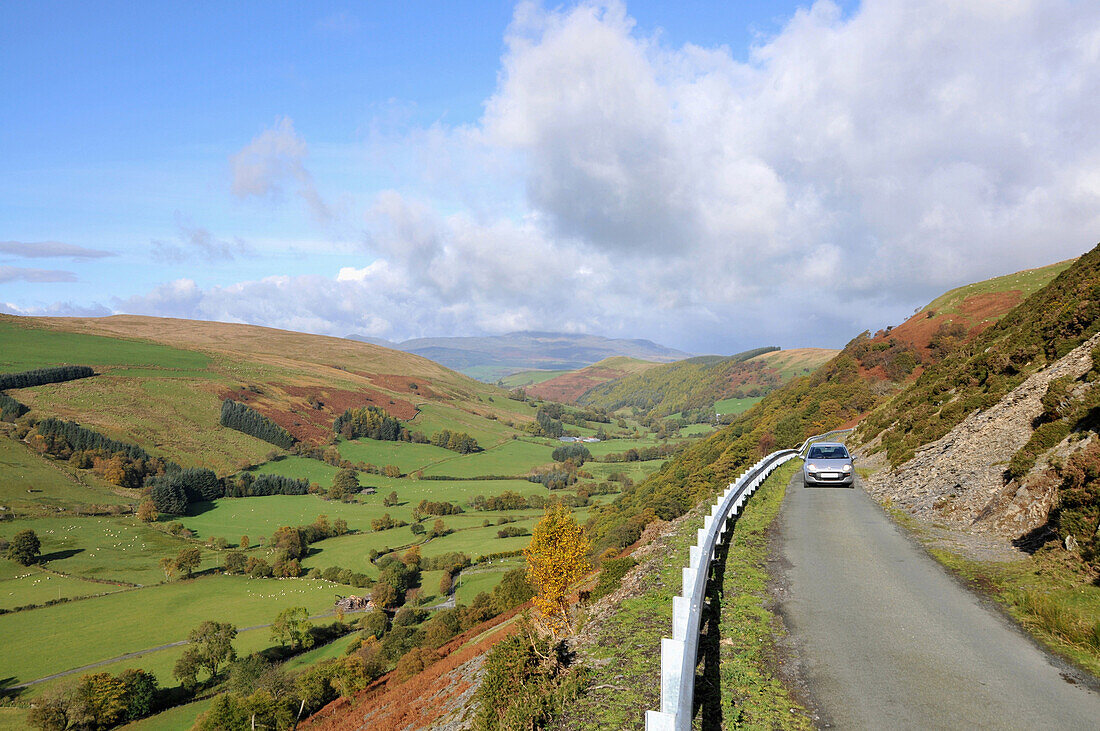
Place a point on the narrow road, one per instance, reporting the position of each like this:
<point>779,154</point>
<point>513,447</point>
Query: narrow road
<point>887,639</point>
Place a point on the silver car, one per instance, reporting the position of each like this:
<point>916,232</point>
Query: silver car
<point>828,463</point>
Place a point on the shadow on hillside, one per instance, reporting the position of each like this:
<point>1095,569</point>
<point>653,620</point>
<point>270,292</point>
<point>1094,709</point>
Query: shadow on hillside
<point>1035,539</point>
<point>59,555</point>
<point>708,679</point>
<point>8,692</point>
<point>199,508</point>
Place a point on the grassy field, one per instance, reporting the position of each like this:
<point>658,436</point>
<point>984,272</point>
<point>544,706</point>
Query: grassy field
<point>180,718</point>
<point>88,630</point>
<point>105,548</point>
<point>301,468</point>
<point>473,581</point>
<point>736,405</point>
<point>31,482</point>
<point>1026,282</point>
<point>23,349</point>
<point>529,378</point>
<point>23,585</point>
<point>694,430</point>
<point>405,455</point>
<point>434,418</point>
<point>515,457</point>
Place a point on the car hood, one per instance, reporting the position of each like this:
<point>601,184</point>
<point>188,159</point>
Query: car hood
<point>828,464</point>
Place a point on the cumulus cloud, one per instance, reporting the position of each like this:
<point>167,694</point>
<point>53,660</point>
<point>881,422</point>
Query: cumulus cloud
<point>852,168</point>
<point>196,242</point>
<point>50,250</point>
<point>57,309</point>
<point>23,274</point>
<point>272,159</point>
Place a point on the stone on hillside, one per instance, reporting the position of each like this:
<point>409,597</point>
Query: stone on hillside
<point>1071,544</point>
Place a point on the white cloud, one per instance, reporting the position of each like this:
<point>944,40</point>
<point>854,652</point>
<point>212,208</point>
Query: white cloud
<point>854,167</point>
<point>50,250</point>
<point>24,274</point>
<point>197,242</point>
<point>269,161</point>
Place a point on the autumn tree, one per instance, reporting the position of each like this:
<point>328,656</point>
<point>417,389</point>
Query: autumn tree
<point>188,559</point>
<point>556,558</point>
<point>24,547</point>
<point>147,512</point>
<point>210,647</point>
<point>292,628</point>
<point>168,566</point>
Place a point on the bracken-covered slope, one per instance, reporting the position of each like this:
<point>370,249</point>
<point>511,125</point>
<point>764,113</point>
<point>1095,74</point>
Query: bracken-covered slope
<point>161,382</point>
<point>696,383</point>
<point>568,387</point>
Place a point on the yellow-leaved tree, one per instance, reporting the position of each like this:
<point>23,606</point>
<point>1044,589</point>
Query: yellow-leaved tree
<point>557,556</point>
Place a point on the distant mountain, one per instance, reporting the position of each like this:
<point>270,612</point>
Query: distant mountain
<point>492,357</point>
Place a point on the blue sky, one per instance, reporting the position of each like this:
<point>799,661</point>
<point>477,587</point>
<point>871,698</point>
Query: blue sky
<point>710,175</point>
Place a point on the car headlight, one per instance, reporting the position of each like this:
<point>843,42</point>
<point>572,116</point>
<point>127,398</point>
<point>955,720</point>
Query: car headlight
<point>811,467</point>
<point>847,468</point>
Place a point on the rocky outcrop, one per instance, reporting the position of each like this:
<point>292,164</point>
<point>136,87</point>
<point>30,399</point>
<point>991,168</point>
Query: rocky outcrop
<point>960,479</point>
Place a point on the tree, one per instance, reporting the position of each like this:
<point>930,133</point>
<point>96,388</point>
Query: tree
<point>244,542</point>
<point>390,500</point>
<point>210,646</point>
<point>556,558</point>
<point>438,528</point>
<point>346,482</point>
<point>147,511</point>
<point>189,559</point>
<point>383,595</point>
<point>24,547</point>
<point>292,628</point>
<point>168,566</point>
<point>235,562</point>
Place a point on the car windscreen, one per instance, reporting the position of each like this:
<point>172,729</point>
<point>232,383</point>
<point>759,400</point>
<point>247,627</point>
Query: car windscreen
<point>828,453</point>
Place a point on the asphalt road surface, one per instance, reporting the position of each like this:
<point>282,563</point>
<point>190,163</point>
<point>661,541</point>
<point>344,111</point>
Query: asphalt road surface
<point>887,639</point>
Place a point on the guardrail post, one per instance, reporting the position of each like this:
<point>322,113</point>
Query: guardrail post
<point>672,663</point>
<point>657,721</point>
<point>680,608</point>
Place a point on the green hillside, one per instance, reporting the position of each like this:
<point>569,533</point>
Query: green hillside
<point>690,385</point>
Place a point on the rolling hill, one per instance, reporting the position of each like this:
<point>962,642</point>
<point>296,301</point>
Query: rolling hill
<point>569,386</point>
<point>493,357</point>
<point>696,384</point>
<point>161,383</point>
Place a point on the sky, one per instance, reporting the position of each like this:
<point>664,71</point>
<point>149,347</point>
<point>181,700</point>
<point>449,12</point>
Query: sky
<point>713,176</point>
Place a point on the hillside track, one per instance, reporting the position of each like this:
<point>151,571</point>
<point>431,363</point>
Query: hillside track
<point>886,638</point>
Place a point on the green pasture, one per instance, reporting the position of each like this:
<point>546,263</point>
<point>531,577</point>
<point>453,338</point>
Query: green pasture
<point>254,517</point>
<point>1026,282</point>
<point>514,457</point>
<point>480,541</point>
<point>86,631</point>
<point>180,718</point>
<point>23,349</point>
<point>483,577</point>
<point>694,430</point>
<point>111,549</point>
<point>736,405</point>
<point>23,585</point>
<point>529,378</point>
<point>612,446</point>
<point>330,651</point>
<point>636,471</point>
<point>31,481</point>
<point>434,418</point>
<point>406,455</point>
<point>302,468</point>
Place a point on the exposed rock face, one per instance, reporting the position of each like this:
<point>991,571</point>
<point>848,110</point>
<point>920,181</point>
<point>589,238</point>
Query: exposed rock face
<point>959,479</point>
